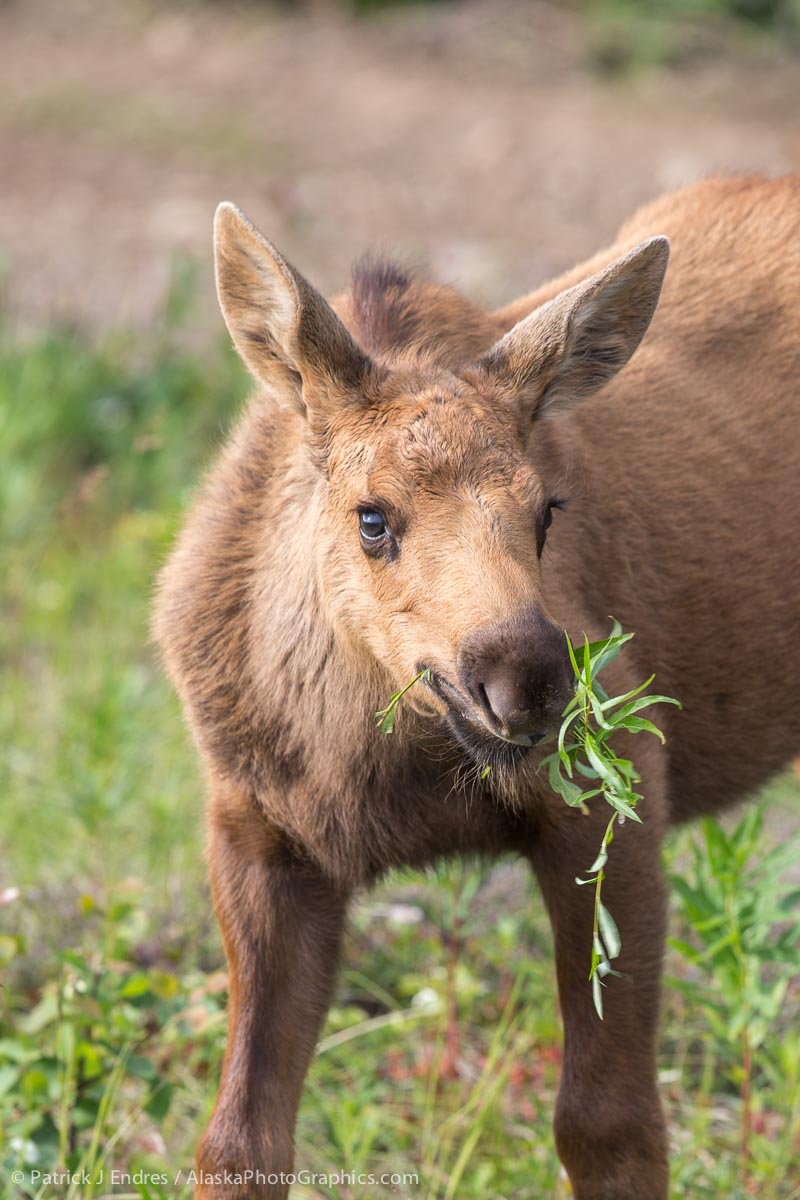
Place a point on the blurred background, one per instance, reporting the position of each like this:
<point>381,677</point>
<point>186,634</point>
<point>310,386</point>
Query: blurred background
<point>493,144</point>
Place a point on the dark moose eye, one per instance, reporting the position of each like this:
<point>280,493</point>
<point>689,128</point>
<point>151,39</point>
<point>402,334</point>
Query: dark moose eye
<point>547,520</point>
<point>372,525</point>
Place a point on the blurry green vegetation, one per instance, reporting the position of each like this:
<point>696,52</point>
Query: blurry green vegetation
<point>623,35</point>
<point>777,15</point>
<point>761,12</point>
<point>222,136</point>
<point>765,12</point>
<point>100,444</point>
<point>442,1052</point>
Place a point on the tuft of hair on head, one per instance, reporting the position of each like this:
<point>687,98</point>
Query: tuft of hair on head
<point>381,299</point>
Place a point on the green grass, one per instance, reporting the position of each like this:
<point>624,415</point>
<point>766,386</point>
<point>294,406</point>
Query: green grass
<point>441,1055</point>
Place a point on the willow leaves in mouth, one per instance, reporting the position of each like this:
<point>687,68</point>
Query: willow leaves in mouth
<point>386,717</point>
<point>585,757</point>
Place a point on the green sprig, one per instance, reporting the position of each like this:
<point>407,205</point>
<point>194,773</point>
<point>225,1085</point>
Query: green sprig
<point>386,717</point>
<point>589,721</point>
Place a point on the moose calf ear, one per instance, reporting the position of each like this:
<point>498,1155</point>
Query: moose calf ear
<point>564,351</point>
<point>287,334</point>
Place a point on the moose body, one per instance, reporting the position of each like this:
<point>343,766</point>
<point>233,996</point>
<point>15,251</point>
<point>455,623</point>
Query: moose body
<point>383,506</point>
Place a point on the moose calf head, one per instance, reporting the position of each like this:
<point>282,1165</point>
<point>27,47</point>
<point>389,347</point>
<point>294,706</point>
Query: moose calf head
<point>425,516</point>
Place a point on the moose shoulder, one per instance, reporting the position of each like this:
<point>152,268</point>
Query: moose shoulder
<point>388,503</point>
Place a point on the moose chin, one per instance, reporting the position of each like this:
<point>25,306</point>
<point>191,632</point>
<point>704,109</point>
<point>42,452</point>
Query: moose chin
<point>418,484</point>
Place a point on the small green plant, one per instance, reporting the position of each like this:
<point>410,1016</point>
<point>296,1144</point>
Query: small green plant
<point>386,717</point>
<point>100,1056</point>
<point>584,748</point>
<point>739,905</point>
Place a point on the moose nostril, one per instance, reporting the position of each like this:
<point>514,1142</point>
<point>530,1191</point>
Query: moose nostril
<point>502,700</point>
<point>485,704</point>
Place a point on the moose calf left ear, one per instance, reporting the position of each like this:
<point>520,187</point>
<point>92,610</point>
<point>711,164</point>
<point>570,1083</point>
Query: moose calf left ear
<point>564,351</point>
<point>287,334</point>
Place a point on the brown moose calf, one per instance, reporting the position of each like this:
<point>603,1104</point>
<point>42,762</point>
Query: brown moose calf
<point>384,505</point>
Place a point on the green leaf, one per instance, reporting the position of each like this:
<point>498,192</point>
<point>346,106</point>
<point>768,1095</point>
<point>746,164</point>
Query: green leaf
<point>585,770</point>
<point>599,862</point>
<point>640,725</point>
<point>562,733</point>
<point>34,1085</point>
<point>635,705</point>
<point>137,985</point>
<point>615,700</point>
<point>8,1077</point>
<point>597,710</point>
<point>597,995</point>
<point>45,1012</point>
<point>623,807</point>
<point>573,659</point>
<point>608,930</point>
<point>141,1067</point>
<point>684,949</point>
<point>158,1103</point>
<point>604,653</point>
<point>604,770</point>
<point>568,790</point>
<point>386,716</point>
<point>625,768</point>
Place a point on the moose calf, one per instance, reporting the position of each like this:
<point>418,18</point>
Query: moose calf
<point>384,506</point>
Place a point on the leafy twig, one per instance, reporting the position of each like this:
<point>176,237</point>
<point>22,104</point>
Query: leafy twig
<point>385,718</point>
<point>584,749</point>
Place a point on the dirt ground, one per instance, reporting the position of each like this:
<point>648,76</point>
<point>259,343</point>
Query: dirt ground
<point>472,136</point>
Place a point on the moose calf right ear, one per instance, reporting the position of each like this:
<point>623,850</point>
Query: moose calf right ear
<point>287,334</point>
<point>564,351</point>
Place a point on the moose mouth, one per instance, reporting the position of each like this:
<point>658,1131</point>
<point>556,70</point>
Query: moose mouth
<point>486,747</point>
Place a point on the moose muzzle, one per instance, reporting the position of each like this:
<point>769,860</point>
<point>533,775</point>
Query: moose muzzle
<point>518,676</point>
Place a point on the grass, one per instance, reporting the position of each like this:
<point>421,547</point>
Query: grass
<point>441,1054</point>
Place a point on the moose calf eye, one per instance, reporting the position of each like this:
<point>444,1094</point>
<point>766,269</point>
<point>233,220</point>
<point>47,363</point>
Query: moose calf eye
<point>372,524</point>
<point>547,521</point>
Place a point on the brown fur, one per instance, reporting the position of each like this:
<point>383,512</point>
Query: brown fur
<point>283,636</point>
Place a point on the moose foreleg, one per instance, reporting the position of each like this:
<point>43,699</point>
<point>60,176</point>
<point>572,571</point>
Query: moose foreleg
<point>609,1126</point>
<point>281,924</point>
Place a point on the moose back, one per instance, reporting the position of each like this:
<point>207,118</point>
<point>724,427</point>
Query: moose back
<point>390,502</point>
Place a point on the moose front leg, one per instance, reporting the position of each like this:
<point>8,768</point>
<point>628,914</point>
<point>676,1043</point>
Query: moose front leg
<point>281,924</point>
<point>609,1126</point>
